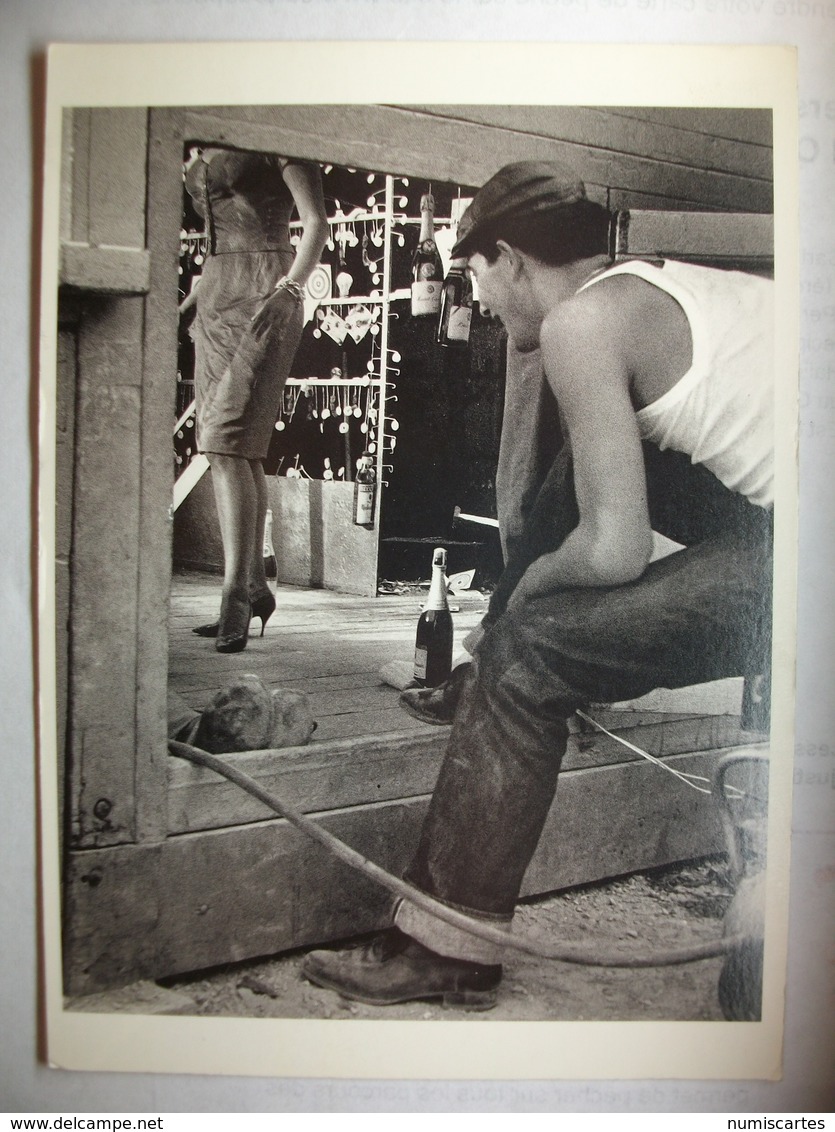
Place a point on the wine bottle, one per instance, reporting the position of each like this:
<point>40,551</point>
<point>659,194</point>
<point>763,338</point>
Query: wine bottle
<point>365,483</point>
<point>456,307</point>
<point>270,567</point>
<point>433,640</point>
<point>427,270</point>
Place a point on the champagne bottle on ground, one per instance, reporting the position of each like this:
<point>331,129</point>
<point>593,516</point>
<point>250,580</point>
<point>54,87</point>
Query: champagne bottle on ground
<point>365,483</point>
<point>456,307</point>
<point>427,269</point>
<point>433,641</point>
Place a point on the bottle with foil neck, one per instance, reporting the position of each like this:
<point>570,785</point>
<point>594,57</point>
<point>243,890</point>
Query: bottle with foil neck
<point>427,269</point>
<point>365,486</point>
<point>433,640</point>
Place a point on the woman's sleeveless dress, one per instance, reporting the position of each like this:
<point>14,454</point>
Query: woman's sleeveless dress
<point>246,206</point>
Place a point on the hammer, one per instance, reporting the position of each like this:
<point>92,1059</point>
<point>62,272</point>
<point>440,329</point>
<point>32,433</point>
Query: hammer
<point>459,516</point>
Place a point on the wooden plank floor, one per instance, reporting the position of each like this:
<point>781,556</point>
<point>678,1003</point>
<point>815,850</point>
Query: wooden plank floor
<point>327,644</point>
<point>232,881</point>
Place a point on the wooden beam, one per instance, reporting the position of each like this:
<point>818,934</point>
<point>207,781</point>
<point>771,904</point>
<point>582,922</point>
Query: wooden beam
<point>117,176</point>
<point>201,899</point>
<point>103,639</point>
<point>399,140</point>
<point>107,270</point>
<point>740,124</point>
<point>383,768</point>
<point>690,140</point>
<point>155,470</point>
<point>699,234</point>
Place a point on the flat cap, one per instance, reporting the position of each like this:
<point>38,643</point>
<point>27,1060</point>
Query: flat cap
<point>524,187</point>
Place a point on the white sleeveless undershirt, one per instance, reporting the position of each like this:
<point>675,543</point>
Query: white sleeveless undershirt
<point>721,412</point>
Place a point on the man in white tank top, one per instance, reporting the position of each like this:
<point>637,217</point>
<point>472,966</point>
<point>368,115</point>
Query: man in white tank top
<point>662,377</point>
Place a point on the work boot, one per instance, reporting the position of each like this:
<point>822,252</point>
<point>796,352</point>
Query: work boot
<point>436,705</point>
<point>393,968</point>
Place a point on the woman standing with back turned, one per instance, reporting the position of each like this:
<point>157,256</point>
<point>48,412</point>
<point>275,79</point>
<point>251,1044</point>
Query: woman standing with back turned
<point>247,328</point>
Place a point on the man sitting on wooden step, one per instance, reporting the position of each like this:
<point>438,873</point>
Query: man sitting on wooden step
<point>662,373</point>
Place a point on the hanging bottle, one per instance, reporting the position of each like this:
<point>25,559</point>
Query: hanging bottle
<point>427,270</point>
<point>433,640</point>
<point>270,567</point>
<point>365,483</point>
<point>456,307</point>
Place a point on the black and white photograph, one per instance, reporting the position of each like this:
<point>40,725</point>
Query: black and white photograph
<point>417,561</point>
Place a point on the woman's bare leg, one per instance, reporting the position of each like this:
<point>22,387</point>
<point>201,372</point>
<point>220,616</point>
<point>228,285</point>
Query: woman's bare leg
<point>237,511</point>
<point>257,577</point>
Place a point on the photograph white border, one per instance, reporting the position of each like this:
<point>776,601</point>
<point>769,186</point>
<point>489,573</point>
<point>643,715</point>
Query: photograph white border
<point>510,73</point>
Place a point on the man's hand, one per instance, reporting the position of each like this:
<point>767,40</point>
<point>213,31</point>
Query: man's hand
<point>538,579</point>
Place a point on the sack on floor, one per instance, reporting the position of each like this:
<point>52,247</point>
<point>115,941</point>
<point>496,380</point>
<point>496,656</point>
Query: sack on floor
<point>245,715</point>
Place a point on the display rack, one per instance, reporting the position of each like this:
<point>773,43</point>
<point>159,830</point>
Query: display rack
<point>384,224</point>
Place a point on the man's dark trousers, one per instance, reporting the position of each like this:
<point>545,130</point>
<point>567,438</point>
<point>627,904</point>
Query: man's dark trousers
<point>700,614</point>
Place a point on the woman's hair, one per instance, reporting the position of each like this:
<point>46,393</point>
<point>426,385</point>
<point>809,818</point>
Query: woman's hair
<point>555,237</point>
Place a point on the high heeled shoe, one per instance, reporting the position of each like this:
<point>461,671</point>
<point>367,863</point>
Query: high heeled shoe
<point>233,627</point>
<point>263,607</point>
<point>207,630</point>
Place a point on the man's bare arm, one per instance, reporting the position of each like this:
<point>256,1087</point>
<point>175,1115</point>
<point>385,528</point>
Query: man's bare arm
<point>584,359</point>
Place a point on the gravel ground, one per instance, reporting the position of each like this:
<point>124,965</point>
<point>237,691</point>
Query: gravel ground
<point>667,908</point>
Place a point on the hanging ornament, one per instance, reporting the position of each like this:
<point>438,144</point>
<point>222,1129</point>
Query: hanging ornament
<point>359,322</point>
<point>345,235</point>
<point>289,400</point>
<point>344,278</point>
<point>368,262</point>
<point>317,288</point>
<point>334,326</point>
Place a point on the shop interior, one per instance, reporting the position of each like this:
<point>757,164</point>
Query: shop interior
<point>369,377</point>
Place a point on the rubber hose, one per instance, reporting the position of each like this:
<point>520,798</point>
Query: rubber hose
<point>564,952</point>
